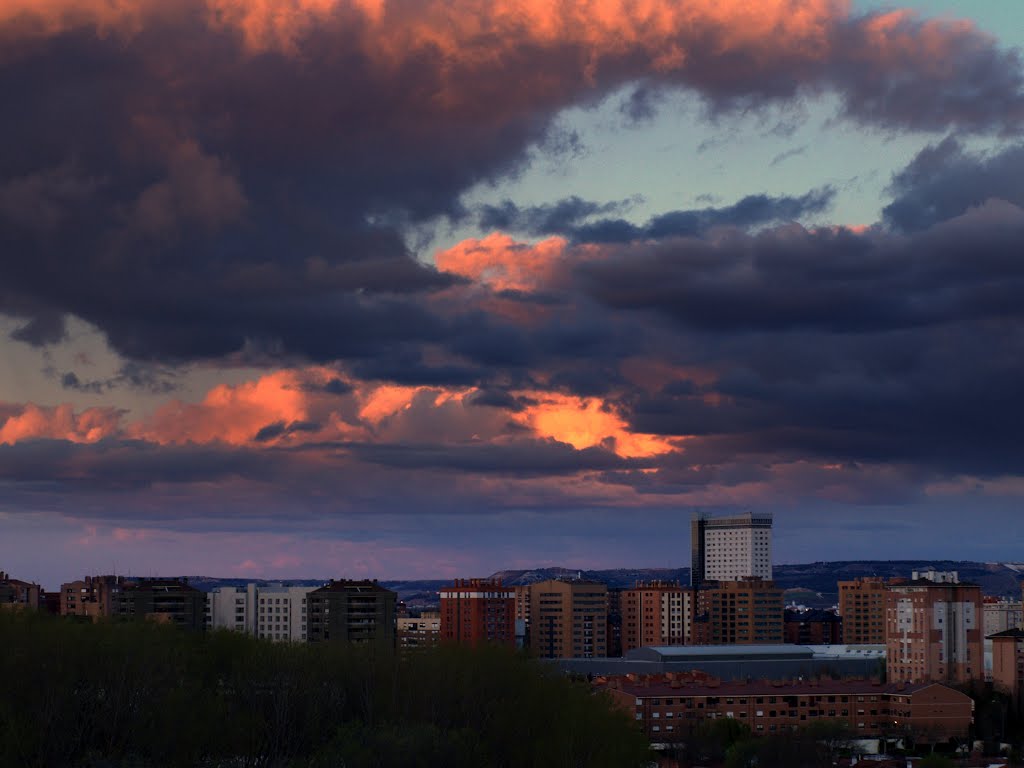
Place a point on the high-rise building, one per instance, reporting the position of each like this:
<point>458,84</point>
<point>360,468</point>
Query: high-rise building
<point>657,613</point>
<point>360,612</point>
<point>568,619</point>
<point>477,611</point>
<point>745,612</point>
<point>933,631</point>
<point>730,548</point>
<point>165,600</point>
<point>92,596</point>
<point>862,607</point>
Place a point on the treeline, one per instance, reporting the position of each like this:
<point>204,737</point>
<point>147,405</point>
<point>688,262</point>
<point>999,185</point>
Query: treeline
<point>143,695</point>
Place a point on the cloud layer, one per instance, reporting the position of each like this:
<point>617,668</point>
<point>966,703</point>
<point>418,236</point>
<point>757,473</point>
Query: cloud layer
<point>226,183</point>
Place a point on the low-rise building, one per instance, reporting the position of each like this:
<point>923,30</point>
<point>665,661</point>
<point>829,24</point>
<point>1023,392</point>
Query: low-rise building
<point>670,706</point>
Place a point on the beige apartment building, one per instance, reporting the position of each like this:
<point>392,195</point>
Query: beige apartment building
<point>747,612</point>
<point>568,619</point>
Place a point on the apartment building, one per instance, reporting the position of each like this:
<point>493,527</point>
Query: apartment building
<point>359,612</point>
<point>933,631</point>
<point>747,612</point>
<point>419,632</point>
<point>15,593</point>
<point>862,607</point>
<point>568,619</point>
<point>478,611</point>
<point>730,548</point>
<point>815,626</point>
<point>1008,663</point>
<point>670,706</point>
<point>171,601</point>
<point>91,597</point>
<point>656,613</point>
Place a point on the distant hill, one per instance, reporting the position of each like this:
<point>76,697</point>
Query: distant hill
<point>813,584</point>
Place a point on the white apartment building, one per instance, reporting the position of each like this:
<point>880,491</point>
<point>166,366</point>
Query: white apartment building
<point>731,548</point>
<point>273,612</point>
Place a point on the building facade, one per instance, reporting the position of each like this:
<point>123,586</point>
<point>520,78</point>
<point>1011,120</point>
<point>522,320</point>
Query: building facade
<point>862,605</point>
<point>568,619</point>
<point>1008,663</point>
<point>15,593</point>
<point>478,611</point>
<point>813,627</point>
<point>730,548</point>
<point>417,633</point>
<point>169,601</point>
<point>747,612</point>
<point>670,707</point>
<point>92,596</point>
<point>271,611</point>
<point>1001,614</point>
<point>933,632</point>
<point>358,612</point>
<point>656,613</point>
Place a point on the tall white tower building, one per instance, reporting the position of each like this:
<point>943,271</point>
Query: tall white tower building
<point>730,548</point>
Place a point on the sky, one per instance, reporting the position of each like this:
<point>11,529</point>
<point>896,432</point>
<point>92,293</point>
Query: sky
<point>432,288</point>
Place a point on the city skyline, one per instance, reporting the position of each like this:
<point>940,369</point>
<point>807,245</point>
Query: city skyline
<point>415,290</point>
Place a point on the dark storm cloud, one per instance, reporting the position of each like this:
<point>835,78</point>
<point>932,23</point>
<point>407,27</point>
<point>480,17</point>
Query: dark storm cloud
<point>155,379</point>
<point>831,345</point>
<point>944,181</point>
<point>567,217</point>
<point>196,184</point>
<point>523,458</point>
<point>562,217</point>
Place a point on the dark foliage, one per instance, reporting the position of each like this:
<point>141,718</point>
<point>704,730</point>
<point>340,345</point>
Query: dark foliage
<point>136,694</point>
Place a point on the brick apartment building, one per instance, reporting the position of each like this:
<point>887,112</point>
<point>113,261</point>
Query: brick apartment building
<point>862,607</point>
<point>613,634</point>
<point>933,630</point>
<point>478,611</point>
<point>812,627</point>
<point>1008,663</point>
<point>360,612</point>
<point>92,597</point>
<point>568,619</point>
<point>165,600</point>
<point>656,613</point>
<point>669,707</point>
<point>746,612</point>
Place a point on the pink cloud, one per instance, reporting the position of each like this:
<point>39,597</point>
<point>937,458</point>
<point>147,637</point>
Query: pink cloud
<point>60,422</point>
